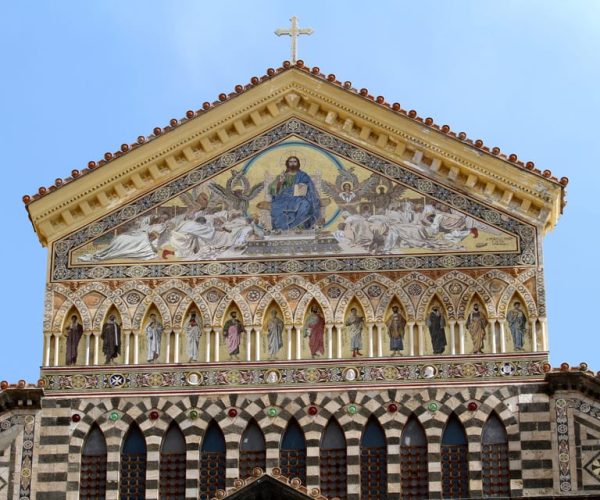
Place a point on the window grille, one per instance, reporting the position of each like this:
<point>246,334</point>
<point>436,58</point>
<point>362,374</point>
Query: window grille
<point>252,450</point>
<point>212,462</point>
<point>172,465</point>
<point>373,462</point>
<point>414,474</point>
<point>333,461</point>
<point>455,464</point>
<point>92,483</point>
<point>133,466</point>
<point>292,455</point>
<point>495,471</point>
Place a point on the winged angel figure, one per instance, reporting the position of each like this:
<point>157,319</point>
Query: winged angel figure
<point>237,193</point>
<point>348,190</point>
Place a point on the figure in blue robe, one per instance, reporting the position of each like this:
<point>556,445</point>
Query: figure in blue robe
<point>295,202</point>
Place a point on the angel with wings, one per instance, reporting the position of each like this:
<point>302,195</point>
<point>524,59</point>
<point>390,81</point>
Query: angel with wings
<point>237,193</point>
<point>348,190</point>
<point>384,194</point>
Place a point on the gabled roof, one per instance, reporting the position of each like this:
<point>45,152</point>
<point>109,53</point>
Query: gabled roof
<point>296,90</point>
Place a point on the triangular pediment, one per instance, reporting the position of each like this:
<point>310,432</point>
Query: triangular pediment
<point>396,137</point>
<point>344,209</point>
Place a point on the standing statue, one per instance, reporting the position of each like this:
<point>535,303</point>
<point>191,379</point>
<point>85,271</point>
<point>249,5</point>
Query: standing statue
<point>395,328</point>
<point>517,322</point>
<point>436,325</point>
<point>476,323</point>
<point>74,334</point>
<point>232,331</point>
<point>193,332</point>
<point>274,334</point>
<point>111,339</point>
<point>295,202</point>
<point>355,324</point>
<point>154,331</point>
<point>314,329</point>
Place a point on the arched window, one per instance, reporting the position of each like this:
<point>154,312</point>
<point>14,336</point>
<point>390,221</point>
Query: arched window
<point>373,462</point>
<point>92,483</point>
<point>212,462</point>
<point>292,456</point>
<point>455,464</point>
<point>252,450</point>
<point>333,461</point>
<point>133,465</point>
<point>414,476</point>
<point>172,464</point>
<point>495,471</point>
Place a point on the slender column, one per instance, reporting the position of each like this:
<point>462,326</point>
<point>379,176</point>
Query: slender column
<point>338,329</point>
<point>136,348</point>
<point>248,344</point>
<point>87,350</point>
<point>298,330</point>
<point>96,347</point>
<point>452,324</point>
<point>411,338</point>
<point>329,341</point>
<point>420,326</point>
<point>176,353</point>
<point>56,348</point>
<point>167,337</point>
<point>370,339</point>
<point>502,337</point>
<point>207,334</point>
<point>217,341</point>
<point>492,329</point>
<point>257,346</point>
<point>289,342</point>
<point>461,335</point>
<point>47,349</point>
<point>380,339</point>
<point>544,326</point>
<point>534,334</point>
<point>127,338</point>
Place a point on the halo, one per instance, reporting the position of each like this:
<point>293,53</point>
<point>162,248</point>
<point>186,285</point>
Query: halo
<point>293,152</point>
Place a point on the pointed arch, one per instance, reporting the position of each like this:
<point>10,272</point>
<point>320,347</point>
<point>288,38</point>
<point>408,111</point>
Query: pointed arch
<point>495,470</point>
<point>172,463</point>
<point>227,303</point>
<point>351,296</point>
<point>414,464</point>
<point>183,309</point>
<point>92,482</point>
<point>212,462</point>
<point>373,461</point>
<point>292,452</point>
<point>391,294</point>
<point>454,458</point>
<point>265,303</point>
<point>62,315</point>
<point>252,450</point>
<point>133,465</point>
<point>333,461</point>
<point>516,288</point>
<point>103,311</point>
<point>433,289</point>
<point>154,301</point>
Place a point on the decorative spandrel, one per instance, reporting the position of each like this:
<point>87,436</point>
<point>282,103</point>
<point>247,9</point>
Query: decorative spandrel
<point>295,198</point>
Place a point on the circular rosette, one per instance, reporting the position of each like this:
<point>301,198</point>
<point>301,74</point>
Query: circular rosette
<point>468,370</point>
<point>233,377</point>
<point>390,372</point>
<point>311,375</point>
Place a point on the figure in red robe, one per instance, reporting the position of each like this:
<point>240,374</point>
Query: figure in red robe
<point>314,328</point>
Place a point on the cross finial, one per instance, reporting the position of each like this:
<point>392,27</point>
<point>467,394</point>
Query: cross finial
<point>294,32</point>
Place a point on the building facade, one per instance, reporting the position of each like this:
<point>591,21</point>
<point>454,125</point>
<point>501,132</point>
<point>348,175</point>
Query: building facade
<point>299,291</point>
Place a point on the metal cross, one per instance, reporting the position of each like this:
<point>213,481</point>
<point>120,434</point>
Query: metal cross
<point>294,32</point>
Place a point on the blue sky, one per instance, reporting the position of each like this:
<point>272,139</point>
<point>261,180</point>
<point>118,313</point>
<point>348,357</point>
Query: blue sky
<point>81,78</point>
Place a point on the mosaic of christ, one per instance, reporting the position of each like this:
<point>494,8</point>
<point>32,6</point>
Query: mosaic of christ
<point>294,199</point>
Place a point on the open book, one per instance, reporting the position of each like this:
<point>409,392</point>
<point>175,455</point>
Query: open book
<point>300,189</point>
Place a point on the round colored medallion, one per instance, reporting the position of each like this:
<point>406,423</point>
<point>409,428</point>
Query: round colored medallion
<point>232,412</point>
<point>433,406</point>
<point>352,409</point>
<point>313,410</point>
<point>273,411</point>
<point>76,418</point>
<point>392,408</point>
<point>154,415</point>
<point>193,415</point>
<point>114,416</point>
<point>472,406</point>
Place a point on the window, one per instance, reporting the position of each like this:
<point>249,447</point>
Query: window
<point>92,483</point>
<point>455,464</point>
<point>414,474</point>
<point>172,464</point>
<point>252,450</point>
<point>212,462</point>
<point>495,472</point>
<point>373,462</point>
<point>292,456</point>
<point>133,465</point>
<point>333,461</point>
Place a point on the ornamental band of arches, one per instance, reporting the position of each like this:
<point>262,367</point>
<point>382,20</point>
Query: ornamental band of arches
<point>415,452</point>
<point>292,299</point>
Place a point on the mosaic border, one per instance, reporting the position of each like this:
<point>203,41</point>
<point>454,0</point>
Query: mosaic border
<point>26,473</point>
<point>288,376</point>
<point>62,270</point>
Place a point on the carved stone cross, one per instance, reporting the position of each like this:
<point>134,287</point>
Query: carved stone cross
<point>294,32</point>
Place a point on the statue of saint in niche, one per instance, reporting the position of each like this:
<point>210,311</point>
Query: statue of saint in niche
<point>193,332</point>
<point>232,331</point>
<point>395,328</point>
<point>154,331</point>
<point>437,324</point>
<point>74,334</point>
<point>111,339</point>
<point>476,323</point>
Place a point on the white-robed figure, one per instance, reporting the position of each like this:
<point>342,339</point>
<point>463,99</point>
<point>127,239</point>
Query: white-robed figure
<point>154,331</point>
<point>275,334</point>
<point>192,331</point>
<point>355,325</point>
